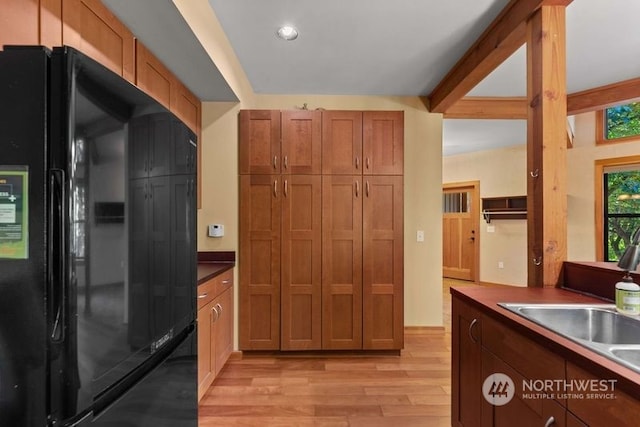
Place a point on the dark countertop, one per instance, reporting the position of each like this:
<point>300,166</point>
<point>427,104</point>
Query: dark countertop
<point>212,264</point>
<point>486,299</point>
<point>209,270</point>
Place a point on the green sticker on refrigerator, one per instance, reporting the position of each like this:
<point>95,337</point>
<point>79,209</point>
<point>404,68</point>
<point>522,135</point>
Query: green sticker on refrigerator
<point>14,212</point>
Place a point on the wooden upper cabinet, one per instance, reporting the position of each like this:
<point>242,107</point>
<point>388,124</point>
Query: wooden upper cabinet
<point>51,23</point>
<point>152,76</point>
<point>19,22</point>
<point>301,142</point>
<point>342,142</point>
<point>383,142</point>
<point>259,142</point>
<point>186,106</point>
<point>91,28</point>
<point>383,278</point>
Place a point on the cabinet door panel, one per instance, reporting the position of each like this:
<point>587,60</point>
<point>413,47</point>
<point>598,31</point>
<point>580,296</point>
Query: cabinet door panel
<point>224,329</point>
<point>342,142</point>
<point>466,370</point>
<point>260,216</point>
<point>152,76</point>
<point>301,262</point>
<point>620,409</point>
<point>383,142</point>
<point>90,27</point>
<point>19,22</point>
<point>259,144</point>
<point>383,303</point>
<point>205,374</point>
<point>186,106</point>
<point>301,142</point>
<point>341,262</point>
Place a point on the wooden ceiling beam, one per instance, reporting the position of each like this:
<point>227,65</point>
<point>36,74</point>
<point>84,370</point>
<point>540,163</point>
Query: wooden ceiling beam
<point>603,97</point>
<point>515,108</point>
<point>479,107</point>
<point>499,41</point>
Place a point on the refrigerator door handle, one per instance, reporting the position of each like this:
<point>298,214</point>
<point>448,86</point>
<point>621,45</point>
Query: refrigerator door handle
<point>57,254</point>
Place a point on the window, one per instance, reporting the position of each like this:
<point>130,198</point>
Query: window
<point>619,123</point>
<point>621,208</point>
<point>456,202</point>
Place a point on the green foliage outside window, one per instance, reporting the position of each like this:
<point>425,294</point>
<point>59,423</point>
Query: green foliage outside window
<point>623,121</point>
<point>622,211</point>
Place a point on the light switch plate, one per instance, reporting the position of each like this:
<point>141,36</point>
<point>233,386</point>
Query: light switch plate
<point>420,236</point>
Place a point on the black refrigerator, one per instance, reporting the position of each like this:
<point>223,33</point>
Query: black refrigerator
<point>97,248</point>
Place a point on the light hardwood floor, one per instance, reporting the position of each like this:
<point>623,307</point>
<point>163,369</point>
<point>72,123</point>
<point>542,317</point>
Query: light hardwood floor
<point>412,389</point>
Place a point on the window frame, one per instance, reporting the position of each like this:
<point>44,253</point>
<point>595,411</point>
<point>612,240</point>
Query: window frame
<point>601,128</point>
<point>600,194</point>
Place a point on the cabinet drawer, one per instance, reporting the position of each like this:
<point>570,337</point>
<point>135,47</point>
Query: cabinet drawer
<point>223,282</point>
<point>206,292</point>
<point>214,287</point>
<point>527,357</point>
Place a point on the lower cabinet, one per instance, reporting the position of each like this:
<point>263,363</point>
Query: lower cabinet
<point>215,328</point>
<point>482,347</point>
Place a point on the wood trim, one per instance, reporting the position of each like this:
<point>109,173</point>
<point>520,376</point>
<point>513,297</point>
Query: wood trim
<point>503,37</point>
<point>599,196</point>
<point>603,97</point>
<point>478,107</point>
<point>600,132</point>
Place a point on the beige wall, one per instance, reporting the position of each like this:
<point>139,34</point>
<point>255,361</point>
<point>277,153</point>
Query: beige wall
<point>422,179</point>
<point>502,172</point>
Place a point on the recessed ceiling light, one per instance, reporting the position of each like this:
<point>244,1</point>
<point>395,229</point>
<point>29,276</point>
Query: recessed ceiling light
<point>287,32</point>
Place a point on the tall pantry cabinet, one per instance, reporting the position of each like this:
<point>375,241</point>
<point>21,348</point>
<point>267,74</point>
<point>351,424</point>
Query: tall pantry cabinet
<point>321,234</point>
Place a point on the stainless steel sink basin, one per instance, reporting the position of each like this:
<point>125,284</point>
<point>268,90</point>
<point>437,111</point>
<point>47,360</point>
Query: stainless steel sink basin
<point>628,354</point>
<point>598,327</point>
<point>586,323</point>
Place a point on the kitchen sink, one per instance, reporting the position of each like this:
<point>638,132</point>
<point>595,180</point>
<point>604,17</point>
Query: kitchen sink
<point>598,327</point>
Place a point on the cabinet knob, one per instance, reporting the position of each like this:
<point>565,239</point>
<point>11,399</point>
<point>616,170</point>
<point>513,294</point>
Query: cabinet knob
<point>357,162</point>
<point>275,188</point>
<point>215,319</point>
<point>357,188</point>
<point>550,422</point>
<point>368,163</point>
<point>286,162</point>
<point>202,296</point>
<point>226,282</point>
<point>275,162</point>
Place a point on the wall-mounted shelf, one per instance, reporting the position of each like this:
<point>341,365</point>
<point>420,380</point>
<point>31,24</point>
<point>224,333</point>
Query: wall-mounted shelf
<point>514,207</point>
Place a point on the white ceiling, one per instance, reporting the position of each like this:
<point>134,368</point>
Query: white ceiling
<point>382,47</point>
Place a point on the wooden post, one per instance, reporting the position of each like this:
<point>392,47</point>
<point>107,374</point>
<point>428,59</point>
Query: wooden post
<point>546,145</point>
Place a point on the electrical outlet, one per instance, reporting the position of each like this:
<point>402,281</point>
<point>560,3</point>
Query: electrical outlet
<point>420,236</point>
<point>500,264</point>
